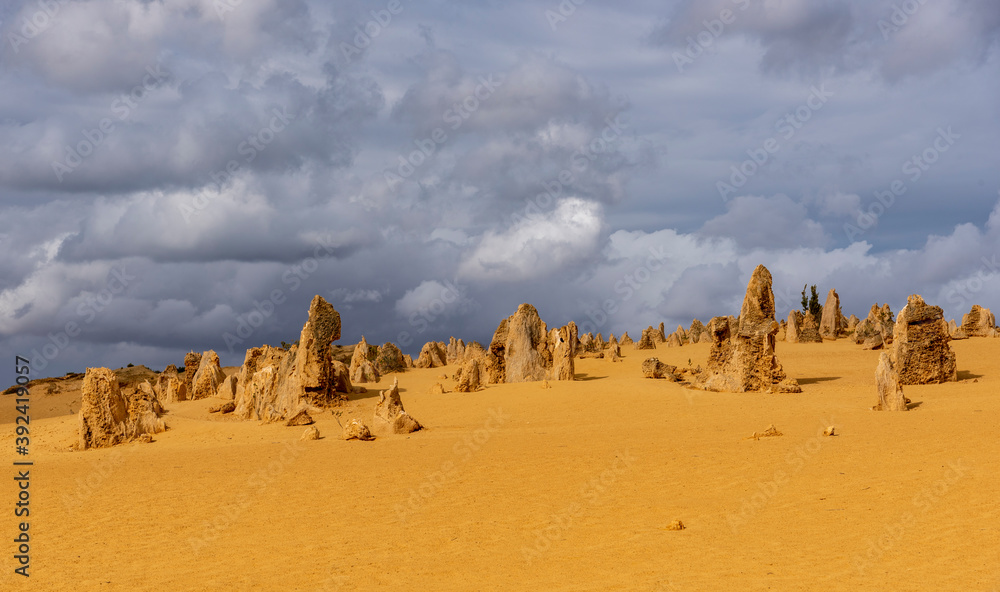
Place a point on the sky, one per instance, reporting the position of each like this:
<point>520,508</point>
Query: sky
<point>186,175</point>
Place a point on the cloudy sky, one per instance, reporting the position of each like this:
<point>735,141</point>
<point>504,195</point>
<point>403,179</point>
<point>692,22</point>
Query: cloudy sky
<point>187,174</point>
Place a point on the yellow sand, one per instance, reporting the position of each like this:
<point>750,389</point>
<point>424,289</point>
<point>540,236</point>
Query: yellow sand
<point>573,489</point>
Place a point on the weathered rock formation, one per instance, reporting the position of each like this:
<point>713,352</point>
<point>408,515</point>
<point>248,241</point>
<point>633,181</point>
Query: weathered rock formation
<point>432,355</point>
<point>649,339</point>
<point>801,328</point>
<point>563,345</point>
<point>920,349</point>
<point>227,390</point>
<point>274,383</point>
<point>980,322</point>
<point>879,321</point>
<point>654,368</point>
<point>519,351</point>
<point>390,417</point>
<point>890,391</point>
<point>107,417</point>
<point>831,324</point>
<point>745,361</point>
<point>169,386</point>
<point>355,429</point>
<point>468,377</point>
<point>674,341</point>
<point>390,359</point>
<point>191,362</point>
<point>209,376</point>
<point>625,341</point>
<point>454,351</point>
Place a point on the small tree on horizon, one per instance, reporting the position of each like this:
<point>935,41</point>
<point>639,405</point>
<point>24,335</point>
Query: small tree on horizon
<point>811,303</point>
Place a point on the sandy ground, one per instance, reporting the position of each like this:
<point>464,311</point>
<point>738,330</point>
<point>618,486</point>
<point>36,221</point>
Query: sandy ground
<point>517,487</point>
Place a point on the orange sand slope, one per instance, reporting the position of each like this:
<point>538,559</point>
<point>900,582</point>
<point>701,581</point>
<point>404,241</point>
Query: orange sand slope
<point>517,487</point>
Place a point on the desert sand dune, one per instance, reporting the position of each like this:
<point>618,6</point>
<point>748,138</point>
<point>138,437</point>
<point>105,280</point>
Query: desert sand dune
<point>566,488</point>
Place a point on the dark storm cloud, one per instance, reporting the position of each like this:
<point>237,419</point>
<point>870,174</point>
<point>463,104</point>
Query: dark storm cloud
<point>579,171</point>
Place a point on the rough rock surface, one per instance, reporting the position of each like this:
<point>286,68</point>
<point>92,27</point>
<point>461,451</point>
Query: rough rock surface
<point>648,339</point>
<point>390,417</point>
<point>697,332</point>
<point>107,417</point>
<point>654,368</point>
<point>209,376</point>
<point>355,429</point>
<point>745,361</point>
<point>191,362</point>
<point>227,390</point>
<point>879,321</point>
<point>432,355</point>
<point>831,324</point>
<point>389,359</point>
<point>362,368</point>
<point>300,418</point>
<point>520,349</point>
<point>275,383</point>
<point>890,391</point>
<point>873,342</point>
<point>562,342</point>
<point>468,378</point>
<point>625,341</point>
<point>169,386</point>
<point>674,341</point>
<point>920,349</point>
<point>852,322</point>
<point>980,322</point>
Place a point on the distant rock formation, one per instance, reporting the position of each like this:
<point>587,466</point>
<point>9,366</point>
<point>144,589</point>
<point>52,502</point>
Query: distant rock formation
<point>649,339</point>
<point>980,322</point>
<point>832,324</point>
<point>209,376</point>
<point>674,341</point>
<point>801,328</point>
<point>920,349</point>
<point>362,369</point>
<point>745,360</point>
<point>169,387</point>
<point>390,417</point>
<point>879,321</point>
<point>107,417</point>
<point>454,351</point>
<point>432,355</point>
<point>274,383</point>
<point>625,341</point>
<point>191,362</point>
<point>697,332</point>
<point>852,322</point>
<point>390,359</point>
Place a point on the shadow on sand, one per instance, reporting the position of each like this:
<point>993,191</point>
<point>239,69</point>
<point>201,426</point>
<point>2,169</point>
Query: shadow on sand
<point>817,379</point>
